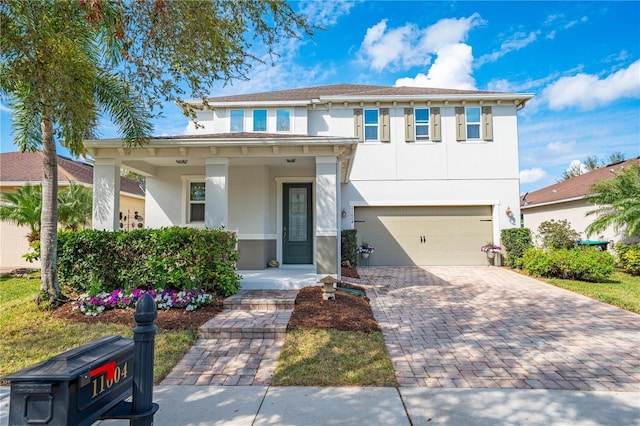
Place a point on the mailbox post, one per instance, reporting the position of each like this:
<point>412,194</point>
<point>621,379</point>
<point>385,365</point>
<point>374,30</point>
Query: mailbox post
<point>92,381</point>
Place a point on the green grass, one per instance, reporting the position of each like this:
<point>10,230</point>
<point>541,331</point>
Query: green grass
<point>333,358</point>
<point>30,335</point>
<point>622,290</point>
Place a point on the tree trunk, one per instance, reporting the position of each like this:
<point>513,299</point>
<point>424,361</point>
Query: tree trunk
<point>49,215</point>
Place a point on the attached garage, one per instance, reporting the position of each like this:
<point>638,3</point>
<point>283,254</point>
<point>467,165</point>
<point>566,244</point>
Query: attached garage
<point>414,235</point>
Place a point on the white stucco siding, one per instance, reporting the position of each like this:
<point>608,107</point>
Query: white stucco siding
<point>249,202</point>
<point>166,200</point>
<point>574,212</point>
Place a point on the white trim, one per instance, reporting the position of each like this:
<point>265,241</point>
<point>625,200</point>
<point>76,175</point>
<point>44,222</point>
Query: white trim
<point>326,160</point>
<point>549,203</point>
<point>418,203</point>
<point>330,232</point>
<point>239,104</point>
<point>184,199</point>
<point>280,180</point>
<point>257,236</point>
<point>218,161</point>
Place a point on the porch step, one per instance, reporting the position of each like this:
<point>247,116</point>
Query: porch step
<point>251,314</point>
<point>261,300</point>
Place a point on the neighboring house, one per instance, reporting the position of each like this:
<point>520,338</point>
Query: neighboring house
<point>18,169</point>
<point>425,175</point>
<point>567,200</point>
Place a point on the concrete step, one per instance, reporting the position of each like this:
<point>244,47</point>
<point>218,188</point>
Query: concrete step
<point>261,300</point>
<point>246,324</point>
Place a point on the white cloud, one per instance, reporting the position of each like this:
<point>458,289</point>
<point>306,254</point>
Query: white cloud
<point>577,165</point>
<point>325,13</point>
<point>532,175</point>
<point>516,42</point>
<point>394,48</point>
<point>561,24</point>
<point>588,91</point>
<point>559,148</point>
<point>444,40</point>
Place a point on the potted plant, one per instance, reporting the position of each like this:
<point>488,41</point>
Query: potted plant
<point>490,249</point>
<point>366,249</point>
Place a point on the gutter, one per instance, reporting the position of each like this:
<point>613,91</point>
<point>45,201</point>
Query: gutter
<point>549,203</point>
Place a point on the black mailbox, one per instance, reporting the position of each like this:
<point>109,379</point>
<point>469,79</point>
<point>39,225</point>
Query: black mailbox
<point>76,387</point>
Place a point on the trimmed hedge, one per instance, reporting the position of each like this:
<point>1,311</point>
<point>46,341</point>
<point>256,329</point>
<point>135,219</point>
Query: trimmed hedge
<point>583,264</point>
<point>169,258</point>
<point>629,258</point>
<point>349,248</point>
<point>515,241</point>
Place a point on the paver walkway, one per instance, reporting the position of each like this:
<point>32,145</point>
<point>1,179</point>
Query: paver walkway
<point>487,327</point>
<point>240,345</point>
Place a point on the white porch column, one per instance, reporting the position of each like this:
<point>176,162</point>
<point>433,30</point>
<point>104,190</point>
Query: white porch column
<point>106,194</point>
<point>327,239</point>
<point>216,204</point>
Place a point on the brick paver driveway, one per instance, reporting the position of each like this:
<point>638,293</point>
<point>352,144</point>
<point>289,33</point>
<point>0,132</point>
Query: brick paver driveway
<point>487,327</point>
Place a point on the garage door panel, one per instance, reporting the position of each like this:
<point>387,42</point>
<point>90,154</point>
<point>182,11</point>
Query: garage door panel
<point>425,235</point>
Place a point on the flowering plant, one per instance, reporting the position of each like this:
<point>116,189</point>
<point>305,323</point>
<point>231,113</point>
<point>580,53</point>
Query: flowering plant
<point>366,248</point>
<point>164,298</point>
<point>490,248</point>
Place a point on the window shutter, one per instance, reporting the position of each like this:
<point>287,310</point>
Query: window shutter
<point>436,135</point>
<point>409,124</point>
<point>461,130</point>
<point>358,124</point>
<point>487,123</point>
<point>385,134</point>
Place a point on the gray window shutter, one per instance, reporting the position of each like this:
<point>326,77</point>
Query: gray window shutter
<point>409,125</point>
<point>385,134</point>
<point>358,124</point>
<point>461,127</point>
<point>436,135</point>
<point>487,123</point>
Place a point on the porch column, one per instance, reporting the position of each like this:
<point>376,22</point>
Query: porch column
<point>327,181</point>
<point>106,194</point>
<point>216,204</point>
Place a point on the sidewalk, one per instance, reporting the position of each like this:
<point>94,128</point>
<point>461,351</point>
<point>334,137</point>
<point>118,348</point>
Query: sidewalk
<point>262,405</point>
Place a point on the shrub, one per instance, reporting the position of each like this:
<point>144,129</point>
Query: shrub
<point>515,241</point>
<point>170,258</point>
<point>557,235</point>
<point>629,258</point>
<point>349,241</point>
<point>584,264</point>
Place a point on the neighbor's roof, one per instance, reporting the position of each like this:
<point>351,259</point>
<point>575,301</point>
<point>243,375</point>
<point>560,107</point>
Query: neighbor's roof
<point>574,188</point>
<point>344,91</point>
<point>21,167</point>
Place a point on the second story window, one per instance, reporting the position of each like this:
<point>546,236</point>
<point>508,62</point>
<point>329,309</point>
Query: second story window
<point>472,115</point>
<point>283,120</point>
<point>370,124</point>
<point>259,120</point>
<point>422,124</point>
<point>237,120</point>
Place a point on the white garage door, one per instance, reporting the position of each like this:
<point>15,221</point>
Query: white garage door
<point>405,236</point>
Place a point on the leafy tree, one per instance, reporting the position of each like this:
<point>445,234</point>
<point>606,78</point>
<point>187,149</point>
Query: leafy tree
<point>557,235</point>
<point>75,203</point>
<point>23,208</point>
<point>590,163</point>
<point>66,62</point>
<point>618,203</point>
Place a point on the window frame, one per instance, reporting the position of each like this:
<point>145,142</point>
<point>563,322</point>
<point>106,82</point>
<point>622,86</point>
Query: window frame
<point>289,121</point>
<point>266,119</point>
<point>468,123</point>
<point>191,202</point>
<point>375,125</point>
<point>416,124</point>
<point>231,120</point>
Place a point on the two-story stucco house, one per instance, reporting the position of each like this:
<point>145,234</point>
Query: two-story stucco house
<point>425,175</point>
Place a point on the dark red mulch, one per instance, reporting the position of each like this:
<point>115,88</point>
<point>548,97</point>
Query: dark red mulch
<point>349,272</point>
<point>172,319</point>
<point>347,312</point>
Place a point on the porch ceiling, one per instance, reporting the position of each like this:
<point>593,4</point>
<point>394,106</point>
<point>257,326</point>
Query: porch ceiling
<point>270,151</point>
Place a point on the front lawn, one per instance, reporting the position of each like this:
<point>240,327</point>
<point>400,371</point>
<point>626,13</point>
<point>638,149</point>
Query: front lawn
<point>30,335</point>
<point>622,290</point>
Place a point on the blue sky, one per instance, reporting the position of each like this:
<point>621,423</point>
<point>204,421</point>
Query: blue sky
<point>581,60</point>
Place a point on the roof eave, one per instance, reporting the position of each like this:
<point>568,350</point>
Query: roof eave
<point>549,203</point>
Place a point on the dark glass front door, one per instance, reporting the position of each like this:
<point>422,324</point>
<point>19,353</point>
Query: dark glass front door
<point>297,224</point>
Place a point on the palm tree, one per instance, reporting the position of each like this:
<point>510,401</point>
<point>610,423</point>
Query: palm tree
<point>57,81</point>
<point>74,206</point>
<point>23,208</point>
<point>618,203</point>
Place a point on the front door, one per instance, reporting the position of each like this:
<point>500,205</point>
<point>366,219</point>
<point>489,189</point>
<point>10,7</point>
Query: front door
<point>297,224</point>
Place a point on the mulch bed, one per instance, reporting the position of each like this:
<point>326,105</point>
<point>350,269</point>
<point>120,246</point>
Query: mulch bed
<point>172,319</point>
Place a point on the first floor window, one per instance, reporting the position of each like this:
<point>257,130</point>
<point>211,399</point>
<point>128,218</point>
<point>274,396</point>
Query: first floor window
<point>283,120</point>
<point>237,120</point>
<point>196,201</point>
<point>259,120</point>
<point>472,115</point>
<point>370,124</point>
<point>422,123</point>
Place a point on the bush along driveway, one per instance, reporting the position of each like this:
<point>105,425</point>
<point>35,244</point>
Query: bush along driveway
<point>487,327</point>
